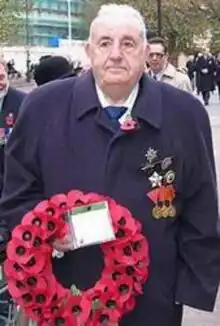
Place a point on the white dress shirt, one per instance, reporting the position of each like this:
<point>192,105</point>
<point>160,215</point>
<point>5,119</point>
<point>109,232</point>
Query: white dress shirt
<point>129,103</point>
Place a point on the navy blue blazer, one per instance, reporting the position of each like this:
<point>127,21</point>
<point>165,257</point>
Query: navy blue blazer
<point>11,104</point>
<point>64,140</point>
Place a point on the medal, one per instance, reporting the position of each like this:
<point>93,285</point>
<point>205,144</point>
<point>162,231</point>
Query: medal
<point>169,177</point>
<point>164,211</point>
<point>161,178</point>
<point>156,212</point>
<point>167,161</point>
<point>171,211</point>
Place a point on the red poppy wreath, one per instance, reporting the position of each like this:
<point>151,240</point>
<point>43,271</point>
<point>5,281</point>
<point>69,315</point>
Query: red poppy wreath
<point>35,289</point>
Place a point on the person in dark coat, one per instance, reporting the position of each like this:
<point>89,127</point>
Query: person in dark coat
<point>217,77</point>
<point>52,68</point>
<point>10,102</point>
<point>68,137</point>
<point>205,69</point>
<point>190,66</point>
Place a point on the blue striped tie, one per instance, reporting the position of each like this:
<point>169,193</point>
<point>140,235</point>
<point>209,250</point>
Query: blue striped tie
<point>115,112</point>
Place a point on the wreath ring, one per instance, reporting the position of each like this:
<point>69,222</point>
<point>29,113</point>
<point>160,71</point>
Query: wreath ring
<point>33,286</point>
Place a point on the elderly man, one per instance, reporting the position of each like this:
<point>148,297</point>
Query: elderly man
<point>71,135</point>
<point>161,70</point>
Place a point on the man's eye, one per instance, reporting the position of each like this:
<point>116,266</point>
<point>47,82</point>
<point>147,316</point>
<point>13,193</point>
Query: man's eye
<point>128,44</point>
<point>104,44</point>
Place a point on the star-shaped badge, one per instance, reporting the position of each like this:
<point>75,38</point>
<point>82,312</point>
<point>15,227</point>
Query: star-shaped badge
<point>151,155</point>
<point>155,180</point>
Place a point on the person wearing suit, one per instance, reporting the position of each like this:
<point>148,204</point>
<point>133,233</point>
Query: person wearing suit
<point>70,135</point>
<point>10,102</point>
<point>162,70</point>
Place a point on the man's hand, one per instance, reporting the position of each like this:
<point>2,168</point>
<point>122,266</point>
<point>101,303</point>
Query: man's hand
<point>63,245</point>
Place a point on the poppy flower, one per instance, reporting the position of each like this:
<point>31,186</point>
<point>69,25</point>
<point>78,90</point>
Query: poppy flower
<point>76,311</point>
<point>94,198</point>
<point>36,220</point>
<point>124,286</point>
<point>60,291</point>
<point>93,294</point>
<point>36,300</point>
<point>16,288</point>
<point>138,288</point>
<point>31,219</point>
<point>122,220</point>
<point>110,299</point>
<point>129,125</point>
<point>10,120</point>
<point>123,254</point>
<point>36,283</point>
<point>140,248</point>
<point>138,226</point>
<point>36,314</point>
<point>51,225</point>
<point>42,297</point>
<point>42,208</point>
<point>17,251</point>
<point>32,236</point>
<point>104,317</point>
<point>55,227</point>
<point>13,270</point>
<point>129,305</point>
<point>35,263</point>
<point>76,198</point>
<point>57,304</point>
<point>122,270</point>
<point>105,285</point>
<point>59,201</point>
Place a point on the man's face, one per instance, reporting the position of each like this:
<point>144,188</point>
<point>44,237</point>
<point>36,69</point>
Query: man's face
<point>3,79</point>
<point>157,57</point>
<point>117,53</point>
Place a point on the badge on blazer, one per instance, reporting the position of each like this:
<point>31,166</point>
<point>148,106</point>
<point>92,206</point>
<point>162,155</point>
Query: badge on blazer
<point>161,179</point>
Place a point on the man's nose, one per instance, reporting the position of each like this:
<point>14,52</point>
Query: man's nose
<point>115,51</point>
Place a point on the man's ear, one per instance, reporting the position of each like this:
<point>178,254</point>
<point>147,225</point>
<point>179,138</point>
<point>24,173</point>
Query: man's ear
<point>88,49</point>
<point>147,51</point>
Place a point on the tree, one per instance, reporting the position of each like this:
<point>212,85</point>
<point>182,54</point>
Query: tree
<point>10,20</point>
<point>182,20</point>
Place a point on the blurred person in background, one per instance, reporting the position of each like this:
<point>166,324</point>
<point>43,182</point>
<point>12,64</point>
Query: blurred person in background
<point>205,75</point>
<point>217,77</point>
<point>51,68</point>
<point>10,101</point>
<point>161,70</point>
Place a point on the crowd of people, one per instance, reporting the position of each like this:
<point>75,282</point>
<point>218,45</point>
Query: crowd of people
<point>130,129</point>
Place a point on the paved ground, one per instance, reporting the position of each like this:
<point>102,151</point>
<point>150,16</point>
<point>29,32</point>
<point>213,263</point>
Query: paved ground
<point>192,317</point>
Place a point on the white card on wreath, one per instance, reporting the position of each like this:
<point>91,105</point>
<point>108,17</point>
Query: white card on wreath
<point>91,224</point>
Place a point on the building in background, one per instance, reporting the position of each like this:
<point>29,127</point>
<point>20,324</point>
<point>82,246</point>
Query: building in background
<point>47,21</point>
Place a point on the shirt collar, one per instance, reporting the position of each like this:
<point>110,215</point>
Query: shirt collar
<point>168,71</point>
<point>129,103</point>
<point>147,107</point>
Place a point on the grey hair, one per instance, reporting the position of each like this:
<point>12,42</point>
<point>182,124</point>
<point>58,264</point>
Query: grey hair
<point>116,13</point>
